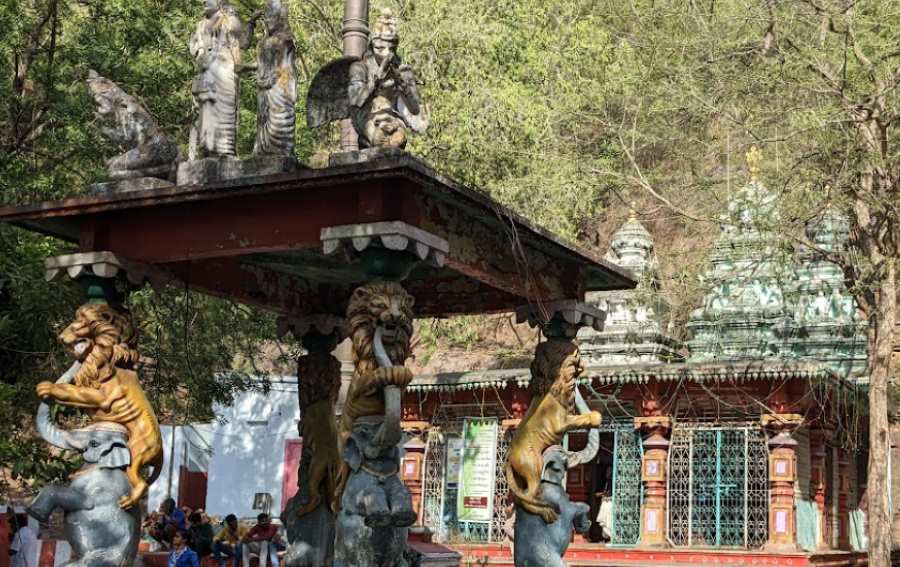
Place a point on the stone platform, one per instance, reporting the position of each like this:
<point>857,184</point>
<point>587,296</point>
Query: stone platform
<point>600,555</point>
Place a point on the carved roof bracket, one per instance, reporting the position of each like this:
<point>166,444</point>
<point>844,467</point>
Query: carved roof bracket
<point>388,250</point>
<point>561,319</point>
<point>99,272</point>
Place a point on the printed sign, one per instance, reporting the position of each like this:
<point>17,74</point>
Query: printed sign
<point>475,502</point>
<point>454,461</point>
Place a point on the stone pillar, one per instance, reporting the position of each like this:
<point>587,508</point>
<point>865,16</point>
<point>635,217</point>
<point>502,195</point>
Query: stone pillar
<point>105,495</point>
<point>654,475</point>
<point>537,462</point>
<point>308,518</point>
<point>355,32</point>
<point>819,481</point>
<point>782,476</point>
<point>376,508</point>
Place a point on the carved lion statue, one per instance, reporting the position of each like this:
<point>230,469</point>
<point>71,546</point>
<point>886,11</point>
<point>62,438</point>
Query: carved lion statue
<point>102,339</point>
<point>384,305</point>
<point>320,381</point>
<point>149,153</point>
<point>556,366</point>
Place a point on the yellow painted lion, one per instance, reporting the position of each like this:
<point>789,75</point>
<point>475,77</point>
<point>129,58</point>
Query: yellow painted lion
<point>551,414</point>
<point>107,387</point>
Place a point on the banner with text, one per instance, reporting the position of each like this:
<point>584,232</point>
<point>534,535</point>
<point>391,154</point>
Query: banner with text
<point>477,476</point>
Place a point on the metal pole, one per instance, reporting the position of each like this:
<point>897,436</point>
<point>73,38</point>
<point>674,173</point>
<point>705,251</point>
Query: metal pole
<point>355,33</point>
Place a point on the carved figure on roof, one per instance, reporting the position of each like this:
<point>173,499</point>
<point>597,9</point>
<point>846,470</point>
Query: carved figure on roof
<point>556,366</point>
<point>148,152</point>
<point>276,84</point>
<point>378,93</point>
<point>106,386</point>
<point>216,47</point>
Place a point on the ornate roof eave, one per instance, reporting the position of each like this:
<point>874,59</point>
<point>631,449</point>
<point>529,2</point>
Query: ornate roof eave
<point>775,369</point>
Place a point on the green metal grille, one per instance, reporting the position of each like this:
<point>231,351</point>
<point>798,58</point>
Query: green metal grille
<point>718,487</point>
<point>627,486</point>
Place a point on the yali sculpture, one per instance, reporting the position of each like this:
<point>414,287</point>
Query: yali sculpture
<point>378,93</point>
<point>556,366</point>
<point>542,544</point>
<point>99,531</point>
<point>375,507</point>
<point>106,386</point>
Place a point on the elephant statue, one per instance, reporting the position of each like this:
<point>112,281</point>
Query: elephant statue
<point>538,544</point>
<point>376,508</point>
<point>99,531</point>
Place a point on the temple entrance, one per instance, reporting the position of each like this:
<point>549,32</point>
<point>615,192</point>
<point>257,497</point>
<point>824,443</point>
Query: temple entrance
<point>718,486</point>
<point>616,486</point>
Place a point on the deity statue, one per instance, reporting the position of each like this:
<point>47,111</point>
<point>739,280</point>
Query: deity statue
<point>378,92</point>
<point>216,46</point>
<point>276,84</point>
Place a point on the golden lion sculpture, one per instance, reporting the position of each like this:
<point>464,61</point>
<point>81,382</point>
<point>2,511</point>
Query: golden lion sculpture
<point>556,366</point>
<point>320,381</point>
<point>388,306</point>
<point>107,387</point>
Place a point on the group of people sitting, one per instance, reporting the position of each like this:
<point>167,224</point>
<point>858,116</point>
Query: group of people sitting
<point>189,535</point>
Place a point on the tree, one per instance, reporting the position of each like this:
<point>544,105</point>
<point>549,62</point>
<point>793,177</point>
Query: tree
<point>817,82</point>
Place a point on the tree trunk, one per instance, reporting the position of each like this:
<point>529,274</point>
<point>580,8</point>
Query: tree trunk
<point>881,321</point>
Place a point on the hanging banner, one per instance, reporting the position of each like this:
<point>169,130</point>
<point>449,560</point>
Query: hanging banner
<point>477,476</point>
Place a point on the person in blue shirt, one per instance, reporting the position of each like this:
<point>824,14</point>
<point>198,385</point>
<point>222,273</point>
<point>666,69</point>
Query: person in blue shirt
<point>174,516</point>
<point>182,555</point>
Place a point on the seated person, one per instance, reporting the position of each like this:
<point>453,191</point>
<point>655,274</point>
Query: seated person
<point>227,543</point>
<point>182,555</point>
<point>261,540</point>
<point>201,534</point>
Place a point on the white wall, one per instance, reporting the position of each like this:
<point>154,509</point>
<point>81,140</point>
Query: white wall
<point>248,446</point>
<point>192,447</point>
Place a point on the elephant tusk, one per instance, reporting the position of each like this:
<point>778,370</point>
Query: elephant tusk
<point>593,445</point>
<point>44,425</point>
<point>381,355</point>
<point>390,433</point>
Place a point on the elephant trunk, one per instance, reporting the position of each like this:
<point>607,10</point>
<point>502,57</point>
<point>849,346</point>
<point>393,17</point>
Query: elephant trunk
<point>593,443</point>
<point>390,432</point>
<point>45,426</point>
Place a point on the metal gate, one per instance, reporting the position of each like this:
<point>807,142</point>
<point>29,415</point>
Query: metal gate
<point>627,485</point>
<point>718,486</point>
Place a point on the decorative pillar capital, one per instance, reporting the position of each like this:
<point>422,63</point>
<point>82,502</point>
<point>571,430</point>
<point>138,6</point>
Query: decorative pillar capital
<point>105,276</point>
<point>317,332</point>
<point>561,319</point>
<point>387,251</point>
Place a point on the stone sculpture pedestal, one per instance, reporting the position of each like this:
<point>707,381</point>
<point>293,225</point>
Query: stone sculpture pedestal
<point>125,185</point>
<point>311,535</point>
<point>215,169</point>
<point>362,156</point>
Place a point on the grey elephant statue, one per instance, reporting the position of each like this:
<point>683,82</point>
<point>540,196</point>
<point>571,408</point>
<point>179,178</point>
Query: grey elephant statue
<point>99,532</point>
<point>376,508</point>
<point>538,544</point>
